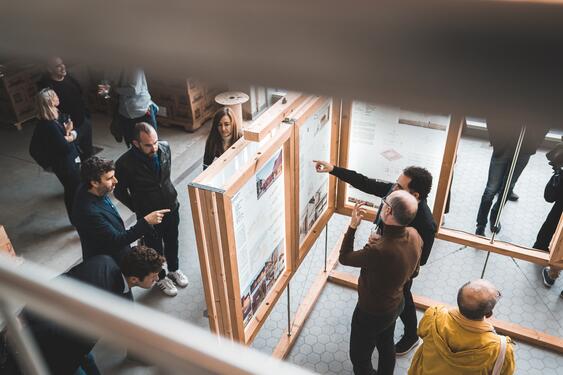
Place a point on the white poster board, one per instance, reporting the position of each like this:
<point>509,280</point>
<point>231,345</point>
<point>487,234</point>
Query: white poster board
<point>314,144</point>
<point>259,225</point>
<point>381,146</point>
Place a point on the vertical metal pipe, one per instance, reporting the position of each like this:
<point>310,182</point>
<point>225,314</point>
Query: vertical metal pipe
<point>326,243</point>
<point>29,359</point>
<point>505,191</point>
<point>288,311</point>
<point>485,265</point>
<point>509,178</point>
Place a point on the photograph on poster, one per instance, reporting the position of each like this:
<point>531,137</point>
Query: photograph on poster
<point>268,175</point>
<point>313,210</point>
<point>385,140</point>
<point>263,282</point>
<point>314,144</point>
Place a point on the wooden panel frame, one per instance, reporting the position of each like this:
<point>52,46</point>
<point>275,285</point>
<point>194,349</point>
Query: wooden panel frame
<point>223,288</point>
<point>302,115</point>
<point>453,137</point>
<point>220,273</point>
<point>446,170</point>
<point>281,110</point>
<point>211,263</point>
<point>214,225</point>
<point>285,142</point>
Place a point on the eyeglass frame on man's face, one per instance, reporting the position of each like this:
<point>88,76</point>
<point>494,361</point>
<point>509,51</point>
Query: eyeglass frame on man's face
<point>387,203</point>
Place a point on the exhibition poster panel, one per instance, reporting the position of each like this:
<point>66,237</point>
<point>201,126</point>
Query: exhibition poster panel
<point>381,146</point>
<point>259,225</point>
<point>314,144</point>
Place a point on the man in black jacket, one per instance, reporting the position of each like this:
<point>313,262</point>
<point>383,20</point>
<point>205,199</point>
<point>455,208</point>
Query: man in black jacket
<point>97,221</point>
<point>418,182</point>
<point>64,351</point>
<point>71,102</point>
<point>144,185</point>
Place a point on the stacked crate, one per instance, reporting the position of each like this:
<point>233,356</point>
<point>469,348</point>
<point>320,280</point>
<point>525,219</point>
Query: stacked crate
<point>184,102</point>
<point>18,91</point>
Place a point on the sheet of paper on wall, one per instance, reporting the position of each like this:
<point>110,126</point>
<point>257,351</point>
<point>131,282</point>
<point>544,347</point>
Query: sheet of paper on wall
<point>314,144</point>
<point>385,140</point>
<point>259,225</point>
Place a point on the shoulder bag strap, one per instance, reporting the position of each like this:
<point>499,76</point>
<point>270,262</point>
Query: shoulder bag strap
<point>501,355</point>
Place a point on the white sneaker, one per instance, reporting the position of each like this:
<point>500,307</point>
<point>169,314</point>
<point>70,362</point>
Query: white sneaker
<point>167,287</point>
<point>179,278</point>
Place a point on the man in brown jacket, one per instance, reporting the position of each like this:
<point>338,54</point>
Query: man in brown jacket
<point>387,264</point>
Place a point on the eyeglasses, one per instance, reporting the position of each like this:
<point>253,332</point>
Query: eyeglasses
<point>387,203</point>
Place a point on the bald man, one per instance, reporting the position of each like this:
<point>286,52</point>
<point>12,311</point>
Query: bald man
<point>387,263</point>
<point>462,340</point>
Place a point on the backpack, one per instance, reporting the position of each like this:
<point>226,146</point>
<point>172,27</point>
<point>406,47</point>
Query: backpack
<point>38,152</point>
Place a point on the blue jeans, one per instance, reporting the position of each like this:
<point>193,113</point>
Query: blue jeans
<point>496,182</point>
<point>88,366</point>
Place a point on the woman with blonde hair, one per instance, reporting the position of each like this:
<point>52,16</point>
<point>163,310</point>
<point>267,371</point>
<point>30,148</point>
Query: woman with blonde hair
<point>225,131</point>
<point>53,143</point>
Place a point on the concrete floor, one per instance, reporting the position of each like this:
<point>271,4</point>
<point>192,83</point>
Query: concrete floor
<point>35,219</point>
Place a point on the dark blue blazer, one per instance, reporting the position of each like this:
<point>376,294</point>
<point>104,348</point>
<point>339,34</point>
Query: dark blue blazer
<point>102,272</point>
<point>62,154</point>
<point>63,349</point>
<point>101,229</point>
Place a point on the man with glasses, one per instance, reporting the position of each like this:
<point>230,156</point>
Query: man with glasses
<point>418,182</point>
<point>387,264</point>
<point>462,340</point>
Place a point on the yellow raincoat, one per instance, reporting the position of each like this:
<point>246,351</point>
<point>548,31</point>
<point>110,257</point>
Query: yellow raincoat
<point>454,345</point>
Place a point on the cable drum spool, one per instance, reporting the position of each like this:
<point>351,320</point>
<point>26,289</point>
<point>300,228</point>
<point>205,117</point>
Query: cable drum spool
<point>234,101</point>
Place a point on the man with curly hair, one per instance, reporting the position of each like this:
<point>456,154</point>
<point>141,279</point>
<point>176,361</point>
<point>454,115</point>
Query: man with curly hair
<point>97,221</point>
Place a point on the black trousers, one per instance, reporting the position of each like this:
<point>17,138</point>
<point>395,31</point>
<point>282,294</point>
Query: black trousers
<point>164,240</point>
<point>68,174</point>
<point>549,226</point>
<point>408,316</point>
<point>85,139</point>
<point>369,332</point>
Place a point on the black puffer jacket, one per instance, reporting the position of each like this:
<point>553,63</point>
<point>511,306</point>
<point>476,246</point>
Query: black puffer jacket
<point>139,187</point>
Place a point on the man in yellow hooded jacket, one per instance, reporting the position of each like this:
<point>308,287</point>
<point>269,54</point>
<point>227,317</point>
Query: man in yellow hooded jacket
<point>462,340</point>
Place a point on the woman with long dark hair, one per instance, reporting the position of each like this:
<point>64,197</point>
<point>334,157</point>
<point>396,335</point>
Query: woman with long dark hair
<point>225,131</point>
<point>56,141</point>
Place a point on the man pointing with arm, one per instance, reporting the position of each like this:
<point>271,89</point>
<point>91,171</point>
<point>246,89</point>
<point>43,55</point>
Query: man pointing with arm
<point>418,182</point>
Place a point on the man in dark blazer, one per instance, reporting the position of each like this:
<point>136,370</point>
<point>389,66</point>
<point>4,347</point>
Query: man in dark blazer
<point>145,185</point>
<point>64,351</point>
<point>97,221</point>
<point>418,182</point>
